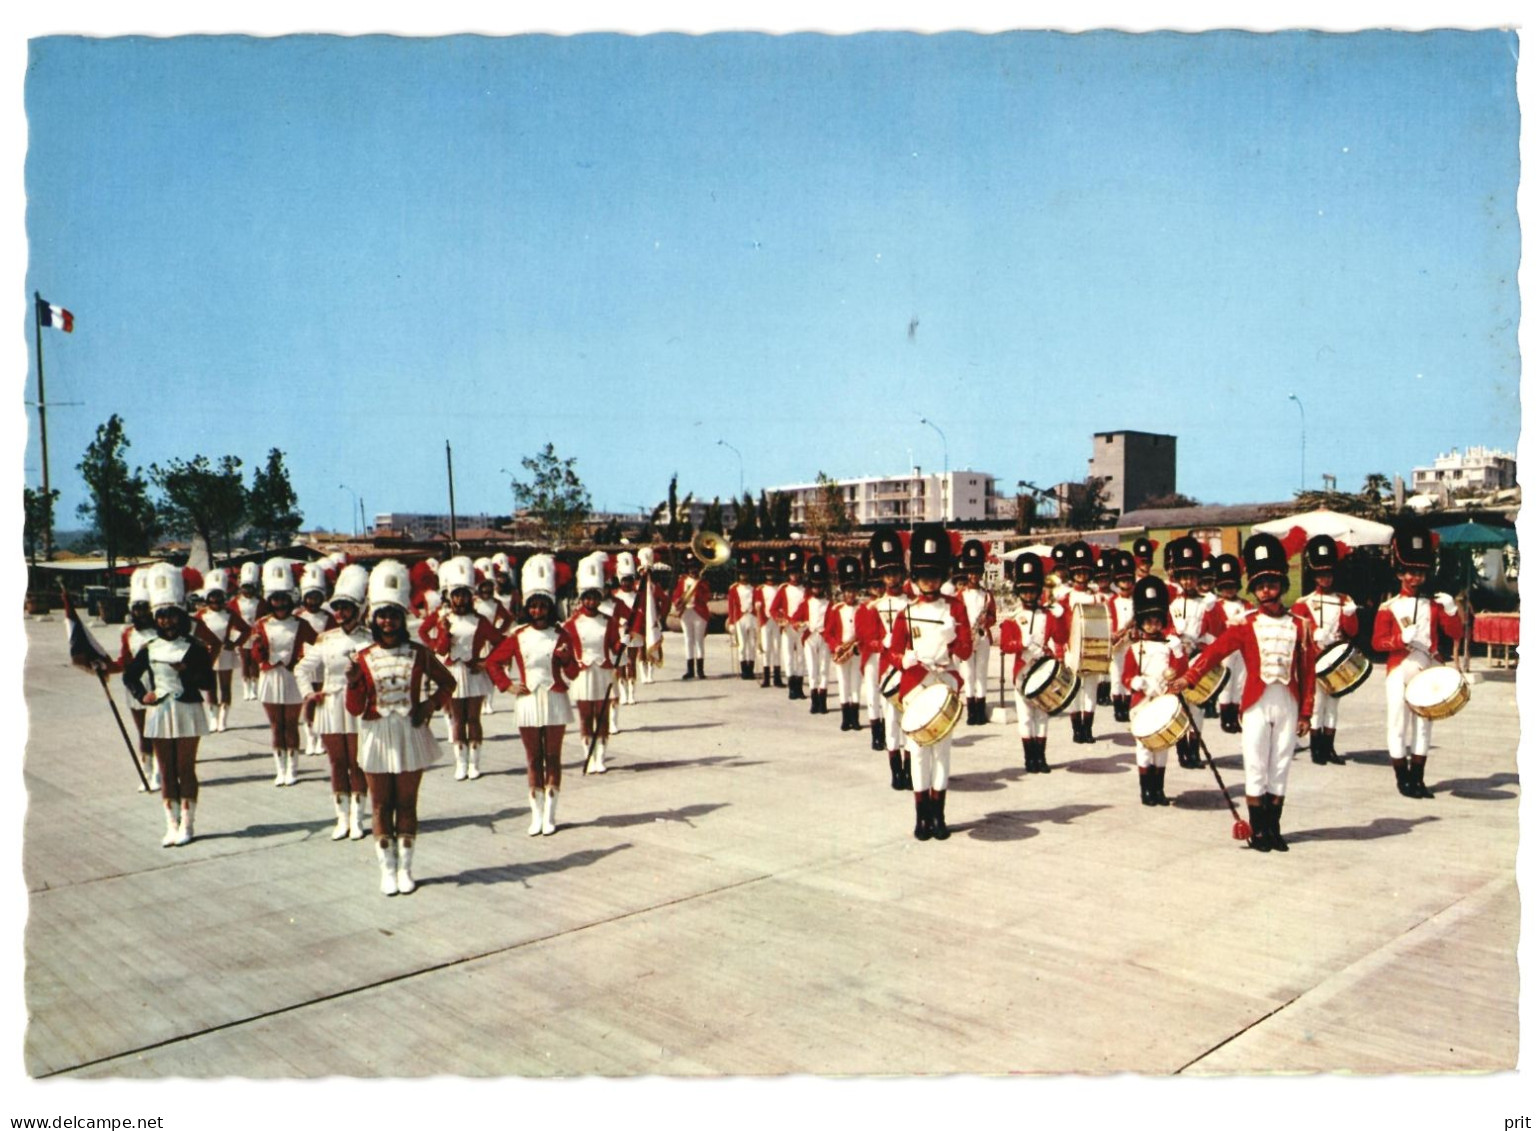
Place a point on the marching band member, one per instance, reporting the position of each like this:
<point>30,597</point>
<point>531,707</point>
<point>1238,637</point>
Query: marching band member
<point>808,623</point>
<point>462,639</point>
<point>277,641</point>
<point>1077,599</point>
<point>1124,624</point>
<point>544,657</point>
<point>1102,586</point>
<point>769,628</point>
<point>495,609</point>
<point>1189,617</point>
<point>980,605</point>
<point>870,629</point>
<point>1034,630</point>
<point>655,588</point>
<point>1230,608</point>
<point>388,692</point>
<point>788,598</point>
<point>1057,580</point>
<point>1334,618</point>
<point>228,633</point>
<point>742,624</point>
<point>1144,557</point>
<point>887,554</point>
<point>1407,629</point>
<point>138,632</point>
<point>1280,686</point>
<point>250,605</point>
<point>842,641</point>
<point>1154,659</point>
<point>312,598</point>
<point>625,614</point>
<point>930,638</point>
<point>168,676</point>
<point>324,670</point>
<point>690,599</point>
<point>596,644</point>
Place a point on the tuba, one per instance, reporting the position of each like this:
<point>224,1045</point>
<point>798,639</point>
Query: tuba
<point>712,549</point>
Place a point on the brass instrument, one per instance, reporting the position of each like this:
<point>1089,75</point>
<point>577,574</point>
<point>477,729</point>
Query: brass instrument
<point>711,548</point>
<point>843,652</point>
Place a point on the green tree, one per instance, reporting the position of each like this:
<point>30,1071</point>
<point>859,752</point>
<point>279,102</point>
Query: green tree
<point>780,515</point>
<point>118,508</point>
<point>271,505</point>
<point>746,528</point>
<point>554,497</point>
<point>1370,503</point>
<point>37,521</point>
<point>712,520</point>
<point>201,499</point>
<point>827,514</point>
<point>1087,504</point>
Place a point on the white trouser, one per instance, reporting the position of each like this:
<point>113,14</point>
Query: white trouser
<point>1324,716</point>
<point>1236,683</point>
<point>746,634</point>
<point>1403,726</point>
<point>791,651</point>
<point>848,677</point>
<point>890,720</point>
<point>931,765</point>
<point>694,626</point>
<point>1031,721</point>
<point>1267,740</point>
<point>975,670</point>
<point>1086,700</point>
<point>1145,757</point>
<point>870,690</point>
<point>770,644</point>
<point>1116,676</point>
<point>815,657</point>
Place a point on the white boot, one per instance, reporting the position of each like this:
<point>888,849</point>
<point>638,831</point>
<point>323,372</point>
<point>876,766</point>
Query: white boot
<point>172,828</point>
<point>291,770</point>
<point>535,818</point>
<point>184,832</point>
<point>385,853</point>
<point>224,716</point>
<point>404,882</point>
<point>211,712</point>
<point>341,809</point>
<point>248,690</point>
<point>599,766</point>
<point>355,814</point>
<point>278,762</point>
<point>548,822</point>
<point>474,768</point>
<point>459,749</point>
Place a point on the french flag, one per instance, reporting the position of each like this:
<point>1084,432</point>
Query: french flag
<point>55,316</point>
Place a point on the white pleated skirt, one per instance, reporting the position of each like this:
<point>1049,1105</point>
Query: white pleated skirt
<point>591,683</point>
<point>551,709</point>
<point>391,745</point>
<point>278,685</point>
<point>469,684</point>
<point>226,660</point>
<point>172,719</point>
<point>332,717</point>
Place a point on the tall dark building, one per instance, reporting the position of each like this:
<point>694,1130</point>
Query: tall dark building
<point>1138,467</point>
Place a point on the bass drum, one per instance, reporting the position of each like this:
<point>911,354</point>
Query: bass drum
<point>1438,693</point>
<point>1090,640</point>
<point>1048,685</point>
<point>930,713</point>
<point>1159,723</point>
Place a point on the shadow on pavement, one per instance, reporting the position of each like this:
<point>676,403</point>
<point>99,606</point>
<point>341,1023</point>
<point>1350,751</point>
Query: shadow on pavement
<point>683,815</point>
<point>1375,829</point>
<point>731,760</point>
<point>1479,789</point>
<point>1021,824</point>
<point>523,872</point>
<point>984,782</point>
<point>1111,764</point>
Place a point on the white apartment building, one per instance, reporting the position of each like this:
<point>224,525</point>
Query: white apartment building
<point>902,500</point>
<point>1479,468</point>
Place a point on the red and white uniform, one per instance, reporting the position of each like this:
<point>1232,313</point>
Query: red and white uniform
<point>325,664</point>
<point>886,610</point>
<point>129,644</point>
<point>842,629</point>
<point>769,631</point>
<point>1032,633</point>
<point>979,604</point>
<point>787,600</point>
<point>690,597</point>
<point>531,652</point>
<point>462,642</point>
<point>1279,687</point>
<point>276,646</point>
<point>498,614</point>
<point>388,684</point>
<point>1148,668</point>
<point>808,623</point>
<point>1334,618</point>
<point>227,630</point>
<point>930,638</point>
<point>742,622</point>
<point>1406,629</point>
<point>596,646</point>
<point>1121,610</point>
<point>1191,622</point>
<point>1225,614</point>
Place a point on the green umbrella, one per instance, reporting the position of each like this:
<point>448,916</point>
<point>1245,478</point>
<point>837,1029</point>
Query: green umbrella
<point>1473,535</point>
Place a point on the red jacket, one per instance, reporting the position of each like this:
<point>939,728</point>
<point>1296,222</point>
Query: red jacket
<point>698,598</point>
<point>613,644</point>
<point>1387,630</point>
<point>735,609</point>
<point>1055,637</point>
<point>960,648</point>
<point>1243,638</point>
<point>1176,664</point>
<point>508,652</point>
<point>362,700</point>
<point>261,651</point>
<point>434,632</point>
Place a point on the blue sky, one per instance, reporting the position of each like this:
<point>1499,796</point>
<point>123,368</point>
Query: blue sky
<point>355,249</point>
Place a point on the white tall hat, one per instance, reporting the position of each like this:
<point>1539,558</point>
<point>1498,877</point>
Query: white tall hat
<point>644,557</point>
<point>538,578</point>
<point>216,578</point>
<point>139,586</point>
<point>277,576</point>
<point>625,564</point>
<point>456,573</point>
<point>484,570</point>
<point>500,562</point>
<point>390,584</point>
<point>312,578</point>
<point>590,572</point>
<point>165,585</point>
<point>251,574</point>
<point>433,564</point>
<point>352,585</point>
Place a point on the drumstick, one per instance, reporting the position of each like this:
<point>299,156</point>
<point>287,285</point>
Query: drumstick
<point>1241,830</point>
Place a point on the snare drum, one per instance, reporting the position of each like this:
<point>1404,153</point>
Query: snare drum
<point>1159,723</point>
<point>930,713</point>
<point>1342,669</point>
<point>1048,685</point>
<point>1213,681</point>
<point>1090,640</point>
<point>889,687</point>
<point>1437,693</point>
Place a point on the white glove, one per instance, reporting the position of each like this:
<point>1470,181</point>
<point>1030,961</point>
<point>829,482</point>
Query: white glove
<point>1409,633</point>
<point>909,659</point>
<point>1446,602</point>
<point>1349,609</point>
<point>1322,638</point>
<point>1137,683</point>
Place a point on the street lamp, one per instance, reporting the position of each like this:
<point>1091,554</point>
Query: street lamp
<point>1301,406</point>
<point>736,452</point>
<point>946,467</point>
<point>350,491</point>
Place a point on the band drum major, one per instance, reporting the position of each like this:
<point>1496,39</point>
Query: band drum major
<point>1342,669</point>
<point>1048,685</point>
<point>1090,640</point>
<point>1160,722</point>
<point>1437,693</point>
<point>930,713</point>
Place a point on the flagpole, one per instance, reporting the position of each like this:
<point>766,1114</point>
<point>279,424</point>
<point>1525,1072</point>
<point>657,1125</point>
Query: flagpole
<point>42,425</point>
<point>101,676</point>
<point>454,537</point>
